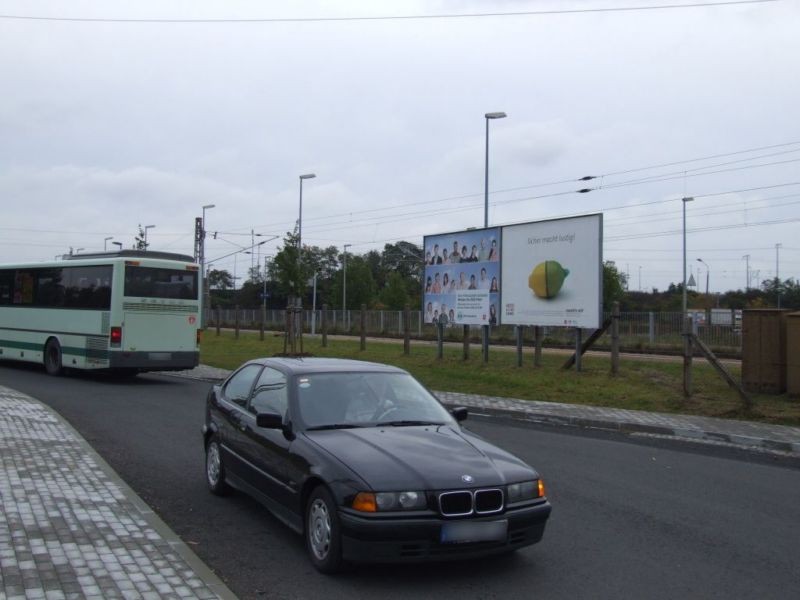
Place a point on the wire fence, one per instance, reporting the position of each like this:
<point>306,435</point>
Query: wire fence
<point>638,331</point>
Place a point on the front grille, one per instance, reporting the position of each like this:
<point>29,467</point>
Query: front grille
<point>455,504</point>
<point>466,502</point>
<point>488,501</point>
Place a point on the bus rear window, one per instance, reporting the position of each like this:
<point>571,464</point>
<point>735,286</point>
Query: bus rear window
<point>155,282</point>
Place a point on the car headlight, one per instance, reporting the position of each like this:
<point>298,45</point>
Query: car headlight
<point>388,501</point>
<point>526,490</point>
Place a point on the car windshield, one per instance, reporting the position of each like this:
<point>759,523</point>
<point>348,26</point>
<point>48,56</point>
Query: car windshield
<point>341,400</point>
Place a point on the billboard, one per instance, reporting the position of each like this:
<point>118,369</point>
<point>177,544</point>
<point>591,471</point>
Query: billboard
<point>461,284</point>
<point>552,272</point>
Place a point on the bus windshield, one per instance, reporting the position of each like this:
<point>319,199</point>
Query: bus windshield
<point>158,282</point>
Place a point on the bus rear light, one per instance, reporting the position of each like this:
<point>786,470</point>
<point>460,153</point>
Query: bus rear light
<point>116,336</point>
<point>192,268</point>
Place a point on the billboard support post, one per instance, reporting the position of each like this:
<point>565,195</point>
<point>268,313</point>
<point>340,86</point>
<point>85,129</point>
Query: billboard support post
<point>439,341</point>
<point>518,331</point>
<point>407,330</point>
<point>578,344</point>
<point>537,346</point>
<point>615,338</point>
<point>466,342</point>
<point>485,343</point>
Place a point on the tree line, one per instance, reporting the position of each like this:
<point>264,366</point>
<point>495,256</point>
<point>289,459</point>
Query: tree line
<point>391,278</point>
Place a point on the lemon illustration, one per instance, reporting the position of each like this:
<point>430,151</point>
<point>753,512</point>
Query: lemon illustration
<point>547,278</point>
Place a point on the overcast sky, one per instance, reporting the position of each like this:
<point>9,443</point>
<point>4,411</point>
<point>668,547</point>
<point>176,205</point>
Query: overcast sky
<point>104,126</point>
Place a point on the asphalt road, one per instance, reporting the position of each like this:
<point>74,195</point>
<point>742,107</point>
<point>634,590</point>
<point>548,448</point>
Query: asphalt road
<point>631,519</point>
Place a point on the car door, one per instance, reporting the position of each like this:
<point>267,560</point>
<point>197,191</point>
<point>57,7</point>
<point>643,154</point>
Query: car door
<point>268,449</point>
<point>233,410</point>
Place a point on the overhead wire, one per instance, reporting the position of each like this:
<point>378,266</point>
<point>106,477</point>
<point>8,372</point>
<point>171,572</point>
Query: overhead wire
<point>608,9</point>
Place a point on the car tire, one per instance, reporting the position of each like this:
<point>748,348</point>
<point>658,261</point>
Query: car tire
<point>53,358</point>
<point>323,532</point>
<point>215,469</point>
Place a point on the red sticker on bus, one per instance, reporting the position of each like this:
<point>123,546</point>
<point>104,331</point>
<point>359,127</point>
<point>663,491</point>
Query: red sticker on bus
<point>192,320</point>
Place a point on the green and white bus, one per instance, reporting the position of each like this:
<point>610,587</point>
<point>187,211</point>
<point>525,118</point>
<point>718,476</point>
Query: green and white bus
<point>128,311</point>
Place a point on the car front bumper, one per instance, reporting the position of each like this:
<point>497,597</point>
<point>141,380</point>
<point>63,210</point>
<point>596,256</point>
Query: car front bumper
<point>371,539</point>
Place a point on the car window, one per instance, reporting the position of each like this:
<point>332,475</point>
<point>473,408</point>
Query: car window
<point>238,387</point>
<point>270,393</point>
<point>365,398</point>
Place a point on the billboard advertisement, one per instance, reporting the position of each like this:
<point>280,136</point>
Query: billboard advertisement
<point>461,285</point>
<point>552,272</point>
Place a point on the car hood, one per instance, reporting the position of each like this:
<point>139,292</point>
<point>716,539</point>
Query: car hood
<point>421,457</point>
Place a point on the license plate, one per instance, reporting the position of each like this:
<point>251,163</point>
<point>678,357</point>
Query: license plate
<point>160,356</point>
<point>461,532</point>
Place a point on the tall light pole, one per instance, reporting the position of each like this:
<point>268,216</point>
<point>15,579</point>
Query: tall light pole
<point>684,200</point>
<point>146,227</point>
<point>488,116</point>
<point>205,295</point>
<point>746,257</point>
<point>105,242</point>
<point>118,244</point>
<point>300,220</point>
<point>708,272</point>
<point>778,272</point>
<point>640,278</point>
<point>344,280</point>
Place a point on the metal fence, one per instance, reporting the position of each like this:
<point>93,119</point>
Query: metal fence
<point>639,331</point>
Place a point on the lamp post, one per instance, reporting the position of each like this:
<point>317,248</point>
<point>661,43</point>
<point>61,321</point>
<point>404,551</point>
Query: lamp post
<point>746,257</point>
<point>105,242</point>
<point>146,227</point>
<point>118,244</point>
<point>300,221</point>
<point>684,200</point>
<point>344,283</point>
<point>708,272</point>
<point>489,116</point>
<point>206,294</point>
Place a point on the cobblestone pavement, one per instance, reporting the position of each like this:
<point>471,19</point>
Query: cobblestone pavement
<point>70,528</point>
<point>762,436</point>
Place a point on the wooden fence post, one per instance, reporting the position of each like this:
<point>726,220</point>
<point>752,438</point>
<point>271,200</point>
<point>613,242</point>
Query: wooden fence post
<point>615,338</point>
<point>324,326</point>
<point>407,330</point>
<point>363,326</point>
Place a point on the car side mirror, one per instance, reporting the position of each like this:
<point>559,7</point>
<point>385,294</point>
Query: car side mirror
<point>269,420</point>
<point>460,413</point>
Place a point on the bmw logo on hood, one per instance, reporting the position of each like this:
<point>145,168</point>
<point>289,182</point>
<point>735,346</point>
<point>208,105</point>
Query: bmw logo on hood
<point>467,478</point>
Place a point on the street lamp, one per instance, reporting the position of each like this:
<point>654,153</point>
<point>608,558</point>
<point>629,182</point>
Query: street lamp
<point>205,294</point>
<point>491,115</point>
<point>118,244</point>
<point>344,280</point>
<point>746,258</point>
<point>105,242</point>
<point>684,200</point>
<point>778,272</point>
<point>708,272</point>
<point>146,227</point>
<point>300,221</point>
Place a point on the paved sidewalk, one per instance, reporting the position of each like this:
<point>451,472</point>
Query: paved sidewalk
<point>70,528</point>
<point>762,436</point>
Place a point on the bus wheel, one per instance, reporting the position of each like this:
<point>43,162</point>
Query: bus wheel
<point>52,357</point>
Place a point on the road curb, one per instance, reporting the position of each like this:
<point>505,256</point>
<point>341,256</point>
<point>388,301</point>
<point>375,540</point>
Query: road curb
<point>699,435</point>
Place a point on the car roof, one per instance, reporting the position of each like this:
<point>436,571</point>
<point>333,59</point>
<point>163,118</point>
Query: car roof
<point>299,366</point>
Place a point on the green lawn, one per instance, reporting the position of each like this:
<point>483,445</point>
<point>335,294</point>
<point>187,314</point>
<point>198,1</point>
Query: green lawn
<point>641,384</point>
